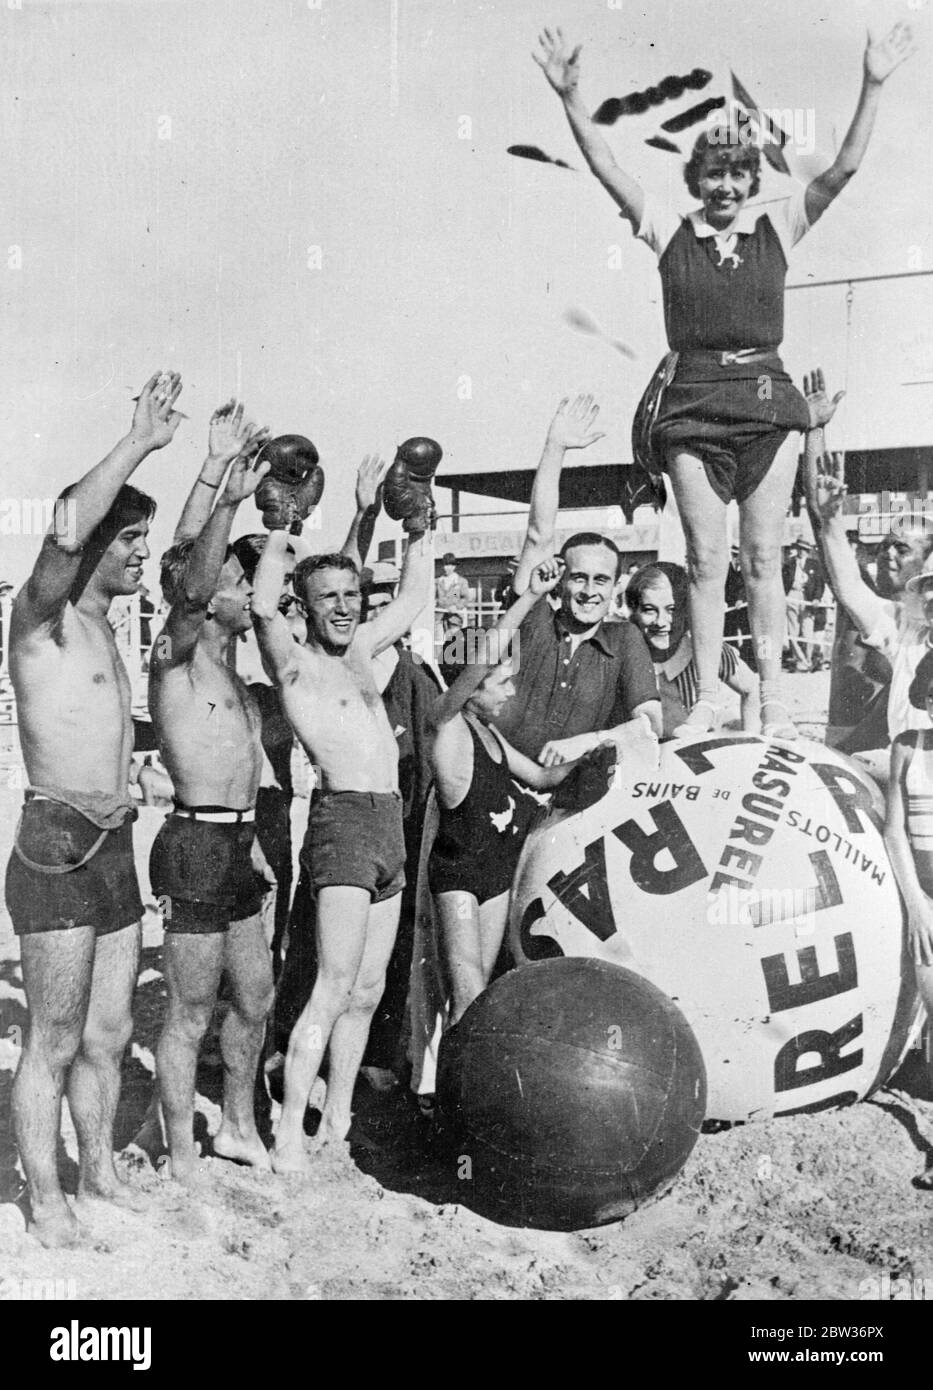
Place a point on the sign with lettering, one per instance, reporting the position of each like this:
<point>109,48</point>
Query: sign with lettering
<point>748,880</point>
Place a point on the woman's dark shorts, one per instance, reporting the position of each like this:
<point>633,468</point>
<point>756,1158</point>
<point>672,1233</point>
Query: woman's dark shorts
<point>733,418</point>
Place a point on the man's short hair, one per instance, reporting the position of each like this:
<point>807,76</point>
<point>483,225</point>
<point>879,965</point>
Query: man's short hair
<point>176,561</point>
<point>651,575</point>
<point>173,570</point>
<point>248,550</point>
<point>128,507</point>
<point>312,563</point>
<point>592,538</point>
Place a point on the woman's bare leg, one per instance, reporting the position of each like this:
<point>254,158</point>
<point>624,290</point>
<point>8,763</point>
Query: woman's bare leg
<point>471,938</point>
<point>704,521</point>
<point>761,530</point>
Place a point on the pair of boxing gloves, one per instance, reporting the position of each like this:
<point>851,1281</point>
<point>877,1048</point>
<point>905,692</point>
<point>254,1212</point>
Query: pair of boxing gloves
<point>295,482</point>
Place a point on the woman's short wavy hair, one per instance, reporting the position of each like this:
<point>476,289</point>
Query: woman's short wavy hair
<point>724,143</point>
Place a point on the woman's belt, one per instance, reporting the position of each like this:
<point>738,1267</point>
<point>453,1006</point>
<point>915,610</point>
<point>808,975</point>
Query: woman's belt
<point>698,359</point>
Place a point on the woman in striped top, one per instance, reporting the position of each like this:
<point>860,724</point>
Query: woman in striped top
<point>908,834</point>
<point>657,602</point>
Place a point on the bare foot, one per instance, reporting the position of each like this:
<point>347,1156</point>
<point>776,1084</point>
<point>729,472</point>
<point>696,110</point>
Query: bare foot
<point>776,721</point>
<point>116,1194</point>
<point>333,1129</point>
<point>57,1228</point>
<point>248,1149</point>
<point>702,719</point>
<point>332,1150</point>
<point>188,1170</point>
<point>291,1159</point>
<point>924,1180</point>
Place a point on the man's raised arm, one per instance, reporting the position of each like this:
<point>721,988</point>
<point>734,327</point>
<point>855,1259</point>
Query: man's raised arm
<point>229,435</point>
<point>825,493</point>
<point>368,502</point>
<point>277,647</point>
<point>186,617</point>
<point>397,617</point>
<point>83,506</point>
<point>571,428</point>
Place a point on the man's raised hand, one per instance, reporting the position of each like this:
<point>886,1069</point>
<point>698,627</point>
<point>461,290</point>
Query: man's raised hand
<point>230,433</point>
<point>546,576</point>
<point>830,490</point>
<point>821,408</point>
<point>572,426</point>
<point>883,55</point>
<point>243,479</point>
<point>557,61</point>
<point>155,420</point>
<point>369,479</point>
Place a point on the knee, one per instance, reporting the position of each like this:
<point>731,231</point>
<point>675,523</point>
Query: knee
<point>189,1019</point>
<point>254,1007</point>
<point>106,1039</point>
<point>56,1045</point>
<point>332,993</point>
<point>707,560</point>
<point>365,997</point>
<point>761,560</point>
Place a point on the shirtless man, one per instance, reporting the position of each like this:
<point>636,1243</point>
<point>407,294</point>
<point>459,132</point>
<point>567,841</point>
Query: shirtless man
<point>71,882</point>
<point>354,852</point>
<point>205,860</point>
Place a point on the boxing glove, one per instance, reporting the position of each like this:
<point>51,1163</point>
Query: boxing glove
<point>294,484</point>
<point>406,494</point>
<point>290,457</point>
<point>590,780</point>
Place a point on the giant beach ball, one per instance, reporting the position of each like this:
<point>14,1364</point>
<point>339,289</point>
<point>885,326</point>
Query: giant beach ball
<point>574,1091</point>
<point>748,879</point>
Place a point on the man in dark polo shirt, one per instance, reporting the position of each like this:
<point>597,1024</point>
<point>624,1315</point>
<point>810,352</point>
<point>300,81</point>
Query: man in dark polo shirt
<point>577,678</point>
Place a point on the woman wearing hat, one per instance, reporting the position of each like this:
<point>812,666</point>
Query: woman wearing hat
<point>727,406</point>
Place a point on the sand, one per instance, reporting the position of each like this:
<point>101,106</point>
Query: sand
<point>804,1207</point>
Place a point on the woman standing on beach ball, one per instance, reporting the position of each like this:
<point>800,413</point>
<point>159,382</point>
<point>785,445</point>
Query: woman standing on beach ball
<point>724,425</point>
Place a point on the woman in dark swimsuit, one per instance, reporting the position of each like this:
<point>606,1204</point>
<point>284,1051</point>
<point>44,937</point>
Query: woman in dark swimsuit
<point>484,811</point>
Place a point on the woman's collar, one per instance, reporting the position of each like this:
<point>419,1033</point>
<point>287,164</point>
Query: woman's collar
<point>744,222</point>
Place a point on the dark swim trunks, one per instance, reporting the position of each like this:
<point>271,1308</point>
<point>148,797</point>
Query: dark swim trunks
<point>102,893</point>
<point>355,839</point>
<point>203,875</point>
